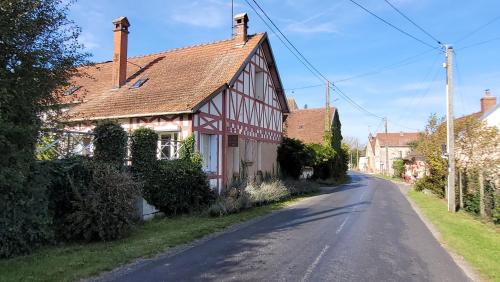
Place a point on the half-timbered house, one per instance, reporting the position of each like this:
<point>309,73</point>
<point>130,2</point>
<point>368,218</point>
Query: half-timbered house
<point>228,94</point>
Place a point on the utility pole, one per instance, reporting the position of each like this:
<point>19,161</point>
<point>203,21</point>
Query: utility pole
<point>328,125</point>
<point>386,149</point>
<point>450,138</point>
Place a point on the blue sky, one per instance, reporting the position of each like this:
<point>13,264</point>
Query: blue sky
<point>340,39</point>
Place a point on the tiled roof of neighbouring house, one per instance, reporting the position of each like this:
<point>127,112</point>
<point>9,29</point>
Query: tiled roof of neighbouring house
<point>175,81</point>
<point>400,139</point>
<point>307,125</point>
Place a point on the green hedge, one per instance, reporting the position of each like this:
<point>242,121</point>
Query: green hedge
<point>24,218</point>
<point>110,143</point>
<point>144,149</point>
<point>177,186</point>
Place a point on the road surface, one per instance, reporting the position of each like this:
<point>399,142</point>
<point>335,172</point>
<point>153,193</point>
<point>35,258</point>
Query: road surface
<point>361,231</point>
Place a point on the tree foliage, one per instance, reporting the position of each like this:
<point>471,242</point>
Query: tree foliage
<point>39,51</point>
<point>341,159</point>
<point>292,157</point>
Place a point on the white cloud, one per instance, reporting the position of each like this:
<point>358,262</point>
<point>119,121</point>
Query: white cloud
<point>312,28</point>
<point>88,41</point>
<point>211,15</point>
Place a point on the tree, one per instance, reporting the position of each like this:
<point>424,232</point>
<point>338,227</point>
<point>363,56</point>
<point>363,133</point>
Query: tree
<point>341,156</point>
<point>429,145</point>
<point>38,54</point>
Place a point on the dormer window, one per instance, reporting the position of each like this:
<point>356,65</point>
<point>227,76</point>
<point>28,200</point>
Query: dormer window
<point>139,83</point>
<point>71,90</point>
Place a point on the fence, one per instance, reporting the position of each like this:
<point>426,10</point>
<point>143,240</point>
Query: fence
<point>58,144</point>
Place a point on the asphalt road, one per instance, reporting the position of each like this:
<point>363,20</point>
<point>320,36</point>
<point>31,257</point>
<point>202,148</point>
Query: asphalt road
<point>361,231</point>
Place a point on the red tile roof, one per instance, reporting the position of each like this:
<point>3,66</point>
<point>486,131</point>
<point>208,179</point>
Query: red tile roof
<point>307,125</point>
<point>178,81</point>
<point>400,139</point>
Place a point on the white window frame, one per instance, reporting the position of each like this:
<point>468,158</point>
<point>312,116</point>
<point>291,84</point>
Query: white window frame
<point>208,150</point>
<point>259,83</point>
<point>173,147</point>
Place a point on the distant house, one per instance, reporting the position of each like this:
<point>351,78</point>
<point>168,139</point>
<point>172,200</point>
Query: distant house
<point>490,111</point>
<point>307,125</point>
<point>398,147</point>
<point>227,93</point>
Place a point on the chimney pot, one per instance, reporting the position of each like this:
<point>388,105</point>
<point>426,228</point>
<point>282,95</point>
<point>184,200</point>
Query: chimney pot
<point>488,101</point>
<point>120,42</point>
<point>241,28</point>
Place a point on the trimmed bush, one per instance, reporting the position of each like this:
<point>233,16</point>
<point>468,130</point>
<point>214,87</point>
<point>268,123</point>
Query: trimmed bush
<point>292,156</point>
<point>24,219</point>
<point>399,168</point>
<point>267,192</point>
<point>110,143</point>
<point>92,200</point>
<point>177,186</point>
<point>143,149</point>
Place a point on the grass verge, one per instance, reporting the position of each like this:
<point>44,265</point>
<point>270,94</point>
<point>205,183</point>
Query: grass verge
<point>476,241</point>
<point>71,262</point>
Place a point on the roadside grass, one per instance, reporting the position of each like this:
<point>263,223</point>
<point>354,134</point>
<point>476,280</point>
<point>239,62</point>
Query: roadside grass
<point>69,262</point>
<point>478,242</point>
<point>392,178</point>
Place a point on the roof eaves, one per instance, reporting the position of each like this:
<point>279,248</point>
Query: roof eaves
<point>131,115</point>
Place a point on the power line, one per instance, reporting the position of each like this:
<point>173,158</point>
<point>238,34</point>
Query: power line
<point>478,43</point>
<point>424,93</point>
<point>291,44</point>
<point>391,25</point>
<point>282,41</point>
<point>478,29</point>
<point>415,24</point>
<point>304,87</point>
<point>401,63</point>
<point>301,57</point>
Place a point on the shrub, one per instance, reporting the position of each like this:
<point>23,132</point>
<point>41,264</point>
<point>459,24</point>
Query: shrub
<point>471,203</point>
<point>110,143</point>
<point>92,200</point>
<point>177,186</point>
<point>322,160</point>
<point>24,218</point>
<point>434,185</point>
<point>187,151</point>
<point>292,156</point>
<point>143,149</point>
<point>267,192</point>
<point>399,168</point>
<point>235,201</point>
<point>495,214</point>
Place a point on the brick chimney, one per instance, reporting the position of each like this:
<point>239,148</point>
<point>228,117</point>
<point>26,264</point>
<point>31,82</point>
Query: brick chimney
<point>120,41</point>
<point>488,101</point>
<point>241,28</point>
